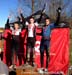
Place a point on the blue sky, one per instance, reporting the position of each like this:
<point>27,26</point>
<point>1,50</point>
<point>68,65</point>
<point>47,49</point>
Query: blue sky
<point>5,7</point>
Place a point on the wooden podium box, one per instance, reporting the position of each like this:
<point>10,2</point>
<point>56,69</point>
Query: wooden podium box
<point>29,70</point>
<point>26,70</point>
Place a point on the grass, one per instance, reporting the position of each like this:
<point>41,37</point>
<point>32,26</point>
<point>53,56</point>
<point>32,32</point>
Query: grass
<point>71,47</point>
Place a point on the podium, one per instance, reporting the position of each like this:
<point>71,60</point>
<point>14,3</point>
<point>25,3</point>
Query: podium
<point>29,70</point>
<point>26,70</point>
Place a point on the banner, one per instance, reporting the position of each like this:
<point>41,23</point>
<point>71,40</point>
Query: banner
<point>59,50</point>
<point>7,47</point>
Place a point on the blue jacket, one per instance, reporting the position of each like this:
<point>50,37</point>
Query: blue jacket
<point>47,30</point>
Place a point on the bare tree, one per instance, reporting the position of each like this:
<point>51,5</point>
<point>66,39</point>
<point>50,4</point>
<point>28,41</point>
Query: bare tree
<point>52,5</point>
<point>32,6</point>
